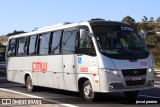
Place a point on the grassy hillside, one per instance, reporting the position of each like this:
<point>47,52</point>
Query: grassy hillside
<point>153,42</point>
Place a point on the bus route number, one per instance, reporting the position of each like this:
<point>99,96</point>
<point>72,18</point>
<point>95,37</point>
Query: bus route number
<point>84,69</point>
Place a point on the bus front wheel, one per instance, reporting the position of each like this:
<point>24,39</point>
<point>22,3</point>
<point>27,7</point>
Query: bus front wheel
<point>29,84</point>
<point>87,91</point>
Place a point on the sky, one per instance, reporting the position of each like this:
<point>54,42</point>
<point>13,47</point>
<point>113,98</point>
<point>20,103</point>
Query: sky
<point>27,15</point>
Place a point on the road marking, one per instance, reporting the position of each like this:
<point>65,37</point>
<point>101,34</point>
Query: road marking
<point>148,96</point>
<point>33,96</point>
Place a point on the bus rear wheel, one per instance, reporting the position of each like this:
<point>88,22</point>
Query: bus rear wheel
<point>87,91</point>
<point>29,84</point>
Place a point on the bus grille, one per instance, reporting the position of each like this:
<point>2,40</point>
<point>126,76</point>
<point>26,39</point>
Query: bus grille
<point>134,72</point>
<point>135,83</point>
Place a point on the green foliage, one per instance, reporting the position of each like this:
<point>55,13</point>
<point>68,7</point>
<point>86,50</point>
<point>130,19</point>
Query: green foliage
<point>15,33</point>
<point>152,19</point>
<point>129,20</point>
<point>145,19</point>
<point>147,25</point>
<point>138,26</point>
<point>156,56</point>
<point>144,25</point>
<point>153,41</point>
<point>158,19</point>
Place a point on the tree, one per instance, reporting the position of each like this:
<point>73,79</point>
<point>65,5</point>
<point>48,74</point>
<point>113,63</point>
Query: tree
<point>152,19</point>
<point>153,42</point>
<point>147,25</point>
<point>129,20</point>
<point>151,26</point>
<point>138,26</point>
<point>158,19</point>
<point>145,19</point>
<point>15,33</point>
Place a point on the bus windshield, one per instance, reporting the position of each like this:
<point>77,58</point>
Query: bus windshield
<point>119,42</point>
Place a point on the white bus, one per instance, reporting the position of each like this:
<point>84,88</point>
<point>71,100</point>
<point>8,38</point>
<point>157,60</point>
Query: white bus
<point>94,56</point>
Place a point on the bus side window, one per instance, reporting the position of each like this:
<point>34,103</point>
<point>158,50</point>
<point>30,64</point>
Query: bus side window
<point>55,45</point>
<point>86,46</point>
<point>69,42</point>
<point>21,46</point>
<point>32,45</point>
<point>44,44</point>
<point>12,47</point>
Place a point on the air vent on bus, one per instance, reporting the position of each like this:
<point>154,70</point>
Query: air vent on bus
<point>96,19</point>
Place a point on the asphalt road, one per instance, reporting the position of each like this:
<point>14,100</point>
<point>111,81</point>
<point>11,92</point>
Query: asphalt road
<point>67,98</point>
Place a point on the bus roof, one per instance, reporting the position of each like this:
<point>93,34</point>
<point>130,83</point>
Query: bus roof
<point>67,25</point>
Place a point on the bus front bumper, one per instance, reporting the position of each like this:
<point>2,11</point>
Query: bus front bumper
<point>114,87</point>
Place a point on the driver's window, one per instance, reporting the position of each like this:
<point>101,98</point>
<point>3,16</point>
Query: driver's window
<point>86,43</point>
<point>86,46</point>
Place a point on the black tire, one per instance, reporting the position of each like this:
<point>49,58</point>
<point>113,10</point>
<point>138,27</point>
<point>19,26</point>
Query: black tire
<point>29,84</point>
<point>131,95</point>
<point>87,91</point>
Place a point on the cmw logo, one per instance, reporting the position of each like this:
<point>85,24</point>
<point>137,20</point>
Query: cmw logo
<point>39,66</point>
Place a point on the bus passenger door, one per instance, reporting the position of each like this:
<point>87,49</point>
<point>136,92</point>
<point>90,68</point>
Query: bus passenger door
<point>86,60</point>
<point>68,47</point>
<point>56,60</point>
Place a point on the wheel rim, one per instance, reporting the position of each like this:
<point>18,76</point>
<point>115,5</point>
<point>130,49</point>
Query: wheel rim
<point>87,90</point>
<point>29,84</point>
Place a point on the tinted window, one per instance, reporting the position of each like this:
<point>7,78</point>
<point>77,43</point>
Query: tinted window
<point>44,44</point>
<point>12,47</point>
<point>32,45</point>
<point>2,56</point>
<point>86,46</point>
<point>21,46</point>
<point>120,42</point>
<point>55,46</point>
<point>69,42</point>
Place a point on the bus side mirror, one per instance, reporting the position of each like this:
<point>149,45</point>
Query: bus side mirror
<point>82,33</point>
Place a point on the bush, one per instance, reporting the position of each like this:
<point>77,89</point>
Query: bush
<point>153,42</point>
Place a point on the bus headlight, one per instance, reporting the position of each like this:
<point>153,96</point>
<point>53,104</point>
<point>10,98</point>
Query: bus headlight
<point>150,70</point>
<point>112,71</point>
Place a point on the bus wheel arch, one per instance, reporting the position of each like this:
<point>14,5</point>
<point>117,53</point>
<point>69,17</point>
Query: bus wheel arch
<point>85,89</point>
<point>29,83</point>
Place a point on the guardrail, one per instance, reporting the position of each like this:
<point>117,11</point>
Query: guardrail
<point>157,77</point>
<point>157,73</point>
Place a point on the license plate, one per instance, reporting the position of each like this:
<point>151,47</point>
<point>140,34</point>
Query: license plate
<point>136,78</point>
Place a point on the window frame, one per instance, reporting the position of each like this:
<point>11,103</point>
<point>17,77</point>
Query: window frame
<point>9,48</point>
<point>24,47</point>
<point>85,50</point>
<point>39,43</point>
<point>72,29</point>
<point>28,44</point>
<point>60,42</point>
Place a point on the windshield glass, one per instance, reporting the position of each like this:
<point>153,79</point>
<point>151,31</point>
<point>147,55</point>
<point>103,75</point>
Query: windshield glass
<point>119,41</point>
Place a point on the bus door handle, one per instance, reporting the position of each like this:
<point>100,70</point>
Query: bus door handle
<point>64,66</point>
